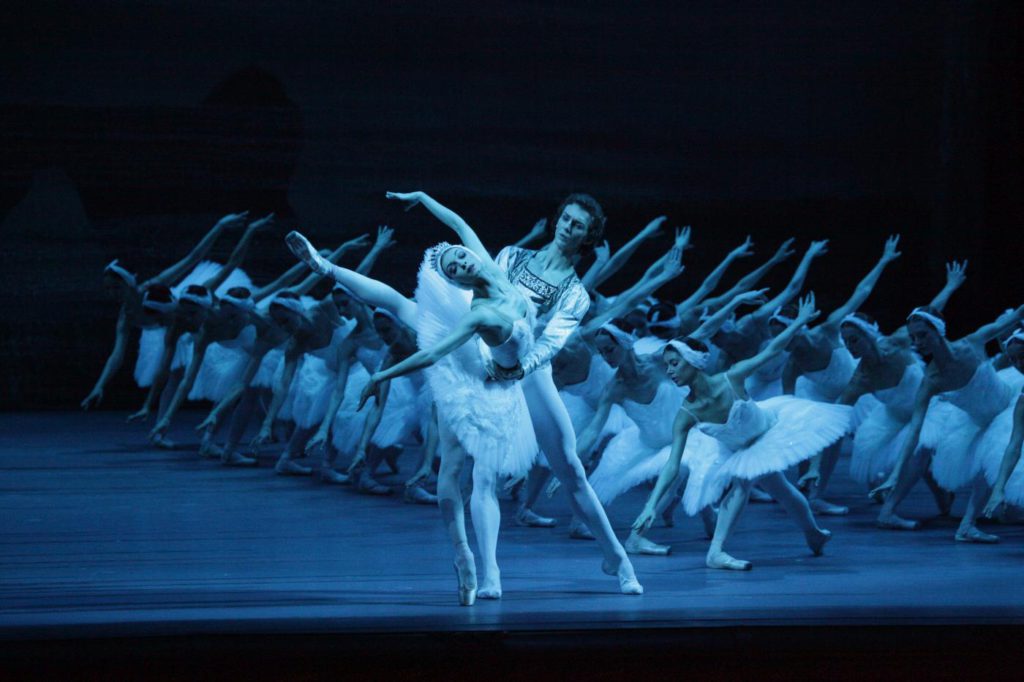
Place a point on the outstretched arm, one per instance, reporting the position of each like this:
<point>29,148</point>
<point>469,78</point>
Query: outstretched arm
<point>586,442</point>
<point>370,291</point>
<point>238,254</point>
<point>750,280</point>
<point>291,362</point>
<point>631,298</point>
<point>744,368</point>
<point>795,284</point>
<point>450,218</point>
<point>181,268</point>
<point>113,362</point>
<point>373,417</point>
<point>602,254</point>
<point>237,389</point>
<point>711,325</point>
<point>622,256</point>
<point>708,285</point>
<point>924,396</point>
<point>993,330</point>
<point>864,288</point>
<point>680,432</point>
<point>171,336</point>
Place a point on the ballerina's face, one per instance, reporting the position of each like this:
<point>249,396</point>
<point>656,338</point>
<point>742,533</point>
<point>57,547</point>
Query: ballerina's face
<point>679,371</point>
<point>460,265</point>
<point>923,336</point>
<point>285,318</point>
<point>609,349</point>
<point>572,228</point>
<point>856,341</point>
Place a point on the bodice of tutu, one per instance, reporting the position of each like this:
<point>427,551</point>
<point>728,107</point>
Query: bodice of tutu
<point>245,340</point>
<point>509,353</point>
<point>983,397</point>
<point>746,423</point>
<point>836,375</point>
<point>899,399</point>
<point>596,383</point>
<point>655,419</point>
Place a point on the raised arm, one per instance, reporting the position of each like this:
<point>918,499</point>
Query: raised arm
<point>993,330</point>
<point>864,288</point>
<point>632,297</point>
<point>795,284</point>
<point>744,250</point>
<point>622,256</point>
<point>181,268</point>
<point>385,240</point>
<point>684,421</point>
<point>370,291</point>
<point>956,274</point>
<point>602,254</point>
<point>750,280</point>
<point>744,368</point>
<point>447,216</point>
<point>239,253</point>
<point>712,324</point>
<point>113,362</point>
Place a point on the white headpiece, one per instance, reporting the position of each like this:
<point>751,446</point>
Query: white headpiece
<point>243,303</point>
<point>201,301</point>
<point>935,322</point>
<point>1017,335</point>
<point>622,338</point>
<point>128,277</point>
<point>869,328</point>
<point>293,304</point>
<point>697,358</point>
<point>159,306</point>
<point>436,253</point>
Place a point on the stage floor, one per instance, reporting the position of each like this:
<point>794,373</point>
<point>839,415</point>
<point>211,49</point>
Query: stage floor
<point>103,536</point>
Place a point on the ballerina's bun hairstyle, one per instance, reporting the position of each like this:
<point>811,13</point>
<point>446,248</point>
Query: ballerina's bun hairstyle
<point>197,294</point>
<point>158,297</point>
<point>620,331</point>
<point>693,351</point>
<point>597,217</point>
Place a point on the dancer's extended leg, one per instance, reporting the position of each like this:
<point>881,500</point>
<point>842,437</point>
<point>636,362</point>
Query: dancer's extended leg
<point>450,501</point>
<point>728,514</point>
<point>797,506</point>
<point>968,531</point>
<point>829,457</point>
<point>483,505</point>
<point>915,465</point>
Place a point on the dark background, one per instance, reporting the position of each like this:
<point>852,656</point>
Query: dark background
<point>128,128</point>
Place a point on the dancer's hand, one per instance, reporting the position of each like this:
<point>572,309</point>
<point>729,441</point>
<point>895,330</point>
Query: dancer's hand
<point>357,461</point>
<point>370,390</point>
<point>744,250</point>
<point>94,399</point>
<point>262,223</point>
<point>410,198</point>
<point>784,251</point>
<point>262,438</point>
<point>141,415</point>
<point>644,521</point>
<point>318,441</point>
<point>673,263</point>
<point>956,273</point>
<point>889,253</point>
<point>302,249</point>
<point>756,297</point>
<point>806,310</point>
<point>819,248</point>
<point>360,242</point>
<point>683,237</point>
<point>233,220</point>
<point>602,253</point>
<point>209,423</point>
<point>994,508</point>
<point>385,237</point>
<point>653,228</point>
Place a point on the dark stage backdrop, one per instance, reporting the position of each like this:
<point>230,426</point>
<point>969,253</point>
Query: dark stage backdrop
<point>127,128</point>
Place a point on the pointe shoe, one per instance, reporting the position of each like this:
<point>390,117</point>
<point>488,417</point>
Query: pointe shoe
<point>726,562</point>
<point>467,588</point>
<point>417,495</point>
<point>527,517</point>
<point>816,541</point>
<point>628,584</point>
<point>233,459</point>
<point>894,522</point>
<point>578,531</point>
<point>329,475</point>
<point>973,534</point>
<point>287,467</point>
<point>819,506</point>
<point>164,443</point>
<point>638,544</point>
<point>369,486</point>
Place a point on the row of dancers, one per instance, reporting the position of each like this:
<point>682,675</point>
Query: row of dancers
<point>516,368</point>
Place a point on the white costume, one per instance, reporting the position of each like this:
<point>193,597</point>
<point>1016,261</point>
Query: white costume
<point>881,433</point>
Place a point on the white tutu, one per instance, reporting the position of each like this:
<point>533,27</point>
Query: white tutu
<point>759,438</point>
<point>638,452</point>
<point>400,421</point>
<point>151,349</point>
<point>269,371</point>
<point>828,384</point>
<point>223,365</point>
<point>955,422</point>
<point>313,384</point>
<point>348,423</point>
<point>766,382</point>
<point>490,419</point>
<point>883,428</point>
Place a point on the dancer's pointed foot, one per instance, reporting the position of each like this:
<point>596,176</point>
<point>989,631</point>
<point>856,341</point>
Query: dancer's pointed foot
<point>638,544</point>
<point>759,496</point>
<point>722,560</point>
<point>816,540</point>
<point>490,585</point>
<point>234,459</point>
<point>163,442</point>
<point>628,584</point>
<point>329,475</point>
<point>210,450</point>
<point>287,467</point>
<point>973,534</point>
<point>893,522</point>
<point>527,517</point>
<point>465,573</point>
<point>819,506</point>
<point>417,495</point>
<point>369,486</point>
<point>578,531</point>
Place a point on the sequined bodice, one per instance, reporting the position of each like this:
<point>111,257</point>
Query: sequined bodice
<point>983,397</point>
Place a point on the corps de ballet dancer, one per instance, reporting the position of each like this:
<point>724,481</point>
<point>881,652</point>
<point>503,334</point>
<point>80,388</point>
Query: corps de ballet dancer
<point>1002,443</point>
<point>501,316</point>
<point>741,441</point>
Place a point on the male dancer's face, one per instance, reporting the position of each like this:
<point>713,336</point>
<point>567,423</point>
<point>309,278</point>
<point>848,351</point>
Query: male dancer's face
<point>572,228</point>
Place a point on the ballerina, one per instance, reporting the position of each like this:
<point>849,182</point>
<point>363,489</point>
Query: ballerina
<point>123,285</point>
<point>743,441</point>
<point>1001,464</point>
<point>961,374</point>
<point>505,443</point>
